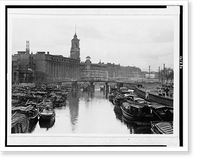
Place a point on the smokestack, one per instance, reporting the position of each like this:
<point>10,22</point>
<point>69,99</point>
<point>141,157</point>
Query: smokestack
<point>27,47</point>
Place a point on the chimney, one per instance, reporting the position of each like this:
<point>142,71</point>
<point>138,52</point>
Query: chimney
<point>27,47</point>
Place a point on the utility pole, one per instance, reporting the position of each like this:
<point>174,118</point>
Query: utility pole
<point>149,73</point>
<point>163,72</point>
<point>159,74</point>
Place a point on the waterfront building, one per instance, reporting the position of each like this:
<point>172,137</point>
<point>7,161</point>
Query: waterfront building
<point>43,66</point>
<point>118,72</point>
<point>113,70</point>
<point>57,67</point>
<point>23,66</point>
<point>129,72</point>
<point>93,71</point>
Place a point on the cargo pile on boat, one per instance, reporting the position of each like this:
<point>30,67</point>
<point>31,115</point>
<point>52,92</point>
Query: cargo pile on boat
<point>137,111</point>
<point>30,104</point>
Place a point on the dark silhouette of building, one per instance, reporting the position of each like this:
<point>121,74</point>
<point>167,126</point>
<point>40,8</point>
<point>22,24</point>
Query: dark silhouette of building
<point>23,66</point>
<point>75,49</point>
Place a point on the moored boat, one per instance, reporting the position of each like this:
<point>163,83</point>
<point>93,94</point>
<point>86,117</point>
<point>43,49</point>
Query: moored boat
<point>20,123</point>
<point>46,111</point>
<point>153,97</point>
<point>46,124</point>
<point>164,113</point>
<point>135,122</point>
<point>162,127</point>
<point>47,114</point>
<point>124,90</point>
<point>137,113</point>
<point>111,97</point>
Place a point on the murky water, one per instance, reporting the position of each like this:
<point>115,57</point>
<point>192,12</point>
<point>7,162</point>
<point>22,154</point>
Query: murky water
<point>87,113</point>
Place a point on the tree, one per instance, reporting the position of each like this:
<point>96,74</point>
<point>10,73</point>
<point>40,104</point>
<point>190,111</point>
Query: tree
<point>41,77</point>
<point>167,75</point>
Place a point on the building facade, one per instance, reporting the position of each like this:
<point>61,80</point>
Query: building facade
<point>57,67</point>
<point>93,71</point>
<point>116,71</point>
<point>44,67</point>
<point>23,66</point>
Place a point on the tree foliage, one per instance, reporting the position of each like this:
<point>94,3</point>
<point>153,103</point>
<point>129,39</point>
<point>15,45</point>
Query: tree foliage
<point>167,75</point>
<point>40,77</point>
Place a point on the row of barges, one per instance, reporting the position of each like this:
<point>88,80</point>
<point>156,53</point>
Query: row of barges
<point>31,104</point>
<point>137,111</point>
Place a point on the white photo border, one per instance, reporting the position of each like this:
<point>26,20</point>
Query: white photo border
<point>105,140</point>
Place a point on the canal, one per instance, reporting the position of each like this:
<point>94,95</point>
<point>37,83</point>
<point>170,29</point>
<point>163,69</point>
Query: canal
<point>88,113</point>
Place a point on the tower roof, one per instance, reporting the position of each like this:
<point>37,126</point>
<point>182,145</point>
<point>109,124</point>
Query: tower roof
<point>88,57</point>
<point>75,36</point>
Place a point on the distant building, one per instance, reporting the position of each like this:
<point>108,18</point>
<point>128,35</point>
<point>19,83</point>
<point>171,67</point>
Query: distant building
<point>129,72</point>
<point>120,72</point>
<point>23,66</point>
<point>15,72</point>
<point>151,75</point>
<point>43,66</point>
<point>57,67</point>
<point>93,71</point>
<point>113,70</point>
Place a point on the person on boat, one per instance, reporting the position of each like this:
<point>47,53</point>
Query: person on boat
<point>160,92</point>
<point>167,91</point>
<point>147,94</point>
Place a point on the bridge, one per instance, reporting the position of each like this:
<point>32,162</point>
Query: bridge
<point>91,83</point>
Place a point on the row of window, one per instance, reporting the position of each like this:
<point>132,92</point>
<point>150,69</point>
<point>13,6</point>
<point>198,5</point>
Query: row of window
<point>62,60</point>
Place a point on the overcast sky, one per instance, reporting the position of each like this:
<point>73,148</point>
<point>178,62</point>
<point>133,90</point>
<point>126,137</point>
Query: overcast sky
<point>121,40</point>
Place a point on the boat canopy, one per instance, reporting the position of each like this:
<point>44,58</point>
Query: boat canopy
<point>124,89</point>
<point>128,105</point>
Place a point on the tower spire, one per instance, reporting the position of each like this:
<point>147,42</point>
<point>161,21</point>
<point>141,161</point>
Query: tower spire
<point>75,28</point>
<point>75,36</point>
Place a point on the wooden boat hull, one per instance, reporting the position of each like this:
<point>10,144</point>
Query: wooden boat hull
<point>135,122</point>
<point>46,123</point>
<point>154,98</point>
<point>46,117</point>
<point>138,119</point>
<point>162,127</point>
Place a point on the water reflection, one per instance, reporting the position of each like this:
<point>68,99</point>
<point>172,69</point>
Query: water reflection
<point>86,112</point>
<point>73,107</point>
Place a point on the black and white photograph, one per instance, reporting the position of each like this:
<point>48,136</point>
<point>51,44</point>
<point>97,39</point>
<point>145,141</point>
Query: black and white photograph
<point>95,76</point>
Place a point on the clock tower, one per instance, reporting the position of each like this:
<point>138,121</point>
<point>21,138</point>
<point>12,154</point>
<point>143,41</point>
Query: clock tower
<point>75,50</point>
